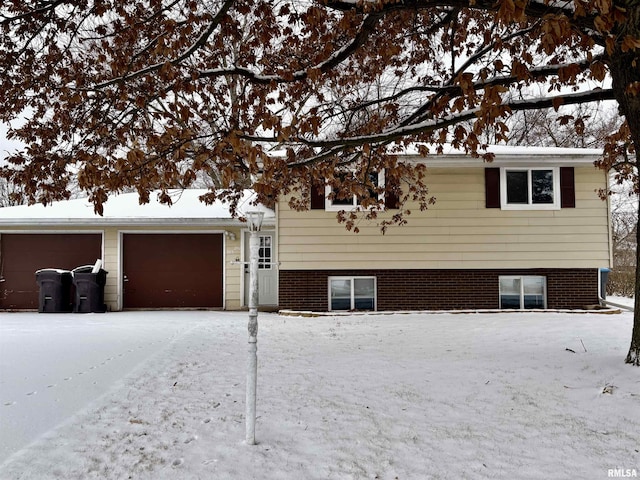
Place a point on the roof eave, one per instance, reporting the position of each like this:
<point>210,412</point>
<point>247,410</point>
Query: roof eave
<point>459,161</point>
<point>128,222</point>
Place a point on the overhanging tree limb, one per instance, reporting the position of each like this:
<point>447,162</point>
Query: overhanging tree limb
<point>338,144</point>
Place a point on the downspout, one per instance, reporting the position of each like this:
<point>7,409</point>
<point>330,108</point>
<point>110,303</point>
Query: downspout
<point>603,295</point>
<point>1,261</point>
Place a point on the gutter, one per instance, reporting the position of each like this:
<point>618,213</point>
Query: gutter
<point>122,222</point>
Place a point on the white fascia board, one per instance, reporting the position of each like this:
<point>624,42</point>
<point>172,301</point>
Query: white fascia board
<point>502,160</point>
<point>127,222</point>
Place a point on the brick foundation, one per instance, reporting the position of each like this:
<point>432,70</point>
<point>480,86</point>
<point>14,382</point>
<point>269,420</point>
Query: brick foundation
<point>438,289</point>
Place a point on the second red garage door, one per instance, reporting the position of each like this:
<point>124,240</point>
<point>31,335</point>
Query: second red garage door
<point>172,270</point>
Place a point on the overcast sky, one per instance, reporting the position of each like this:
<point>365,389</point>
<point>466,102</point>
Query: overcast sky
<point>5,144</point>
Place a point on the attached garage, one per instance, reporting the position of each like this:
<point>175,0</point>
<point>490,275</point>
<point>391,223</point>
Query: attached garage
<point>184,255</point>
<point>172,270</point>
<point>21,254</point>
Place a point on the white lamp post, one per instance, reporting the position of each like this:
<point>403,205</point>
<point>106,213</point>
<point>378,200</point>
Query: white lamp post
<point>254,221</point>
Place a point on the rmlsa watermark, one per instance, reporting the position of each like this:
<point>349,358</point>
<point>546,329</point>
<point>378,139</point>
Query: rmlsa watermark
<point>622,473</point>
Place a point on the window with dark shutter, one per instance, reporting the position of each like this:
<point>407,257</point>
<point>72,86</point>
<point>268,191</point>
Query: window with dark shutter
<point>521,188</point>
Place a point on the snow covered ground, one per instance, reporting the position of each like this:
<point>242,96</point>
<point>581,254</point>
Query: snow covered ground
<point>53,365</point>
<point>160,395</point>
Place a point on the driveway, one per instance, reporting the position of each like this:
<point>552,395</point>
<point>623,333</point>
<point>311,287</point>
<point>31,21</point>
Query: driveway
<point>54,365</point>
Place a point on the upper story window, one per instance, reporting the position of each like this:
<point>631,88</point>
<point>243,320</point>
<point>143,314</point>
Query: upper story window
<point>530,188</point>
<point>352,201</point>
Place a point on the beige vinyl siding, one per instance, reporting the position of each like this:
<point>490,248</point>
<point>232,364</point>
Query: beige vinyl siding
<point>112,265</point>
<point>457,232</point>
<point>233,270</point>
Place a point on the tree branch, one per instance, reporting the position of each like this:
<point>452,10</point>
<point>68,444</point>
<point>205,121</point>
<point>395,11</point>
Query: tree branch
<point>402,131</point>
<point>534,9</point>
<point>199,43</point>
<point>48,6</point>
<point>333,61</point>
<point>539,72</point>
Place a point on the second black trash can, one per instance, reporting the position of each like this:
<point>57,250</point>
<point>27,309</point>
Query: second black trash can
<point>54,294</point>
<point>89,297</point>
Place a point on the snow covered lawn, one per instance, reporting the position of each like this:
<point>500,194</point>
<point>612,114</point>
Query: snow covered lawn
<point>418,396</point>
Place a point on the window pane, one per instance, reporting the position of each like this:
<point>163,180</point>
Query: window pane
<point>517,189</point>
<point>364,287</point>
<point>348,201</point>
<point>542,188</point>
<point>533,301</point>
<point>364,292</point>
<point>509,292</point>
<point>533,292</point>
<point>343,201</point>
<point>264,253</point>
<point>533,285</point>
<point>373,179</point>
<point>341,294</point>
<point>365,304</point>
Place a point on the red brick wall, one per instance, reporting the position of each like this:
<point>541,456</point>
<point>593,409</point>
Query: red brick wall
<point>437,289</point>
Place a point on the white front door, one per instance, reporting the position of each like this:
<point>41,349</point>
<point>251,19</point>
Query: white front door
<point>267,270</point>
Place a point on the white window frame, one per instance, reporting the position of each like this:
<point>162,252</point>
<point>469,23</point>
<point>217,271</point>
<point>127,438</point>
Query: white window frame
<point>353,283</point>
<point>354,205</point>
<point>522,278</point>
<point>530,205</point>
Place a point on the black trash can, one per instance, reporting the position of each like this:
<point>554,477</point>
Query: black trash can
<point>89,296</point>
<point>55,290</point>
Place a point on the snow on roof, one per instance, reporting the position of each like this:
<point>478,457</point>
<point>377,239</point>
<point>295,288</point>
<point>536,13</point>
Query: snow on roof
<point>506,155</point>
<point>187,209</point>
<point>552,151</point>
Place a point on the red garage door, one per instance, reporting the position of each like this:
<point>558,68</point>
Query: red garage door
<point>22,254</point>
<point>172,270</point>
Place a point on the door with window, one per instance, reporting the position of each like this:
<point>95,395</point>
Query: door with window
<point>267,270</point>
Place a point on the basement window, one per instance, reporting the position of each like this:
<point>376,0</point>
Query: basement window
<point>523,292</point>
<point>352,293</point>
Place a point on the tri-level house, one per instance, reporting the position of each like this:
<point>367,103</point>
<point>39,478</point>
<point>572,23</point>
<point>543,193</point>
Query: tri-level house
<point>528,230</point>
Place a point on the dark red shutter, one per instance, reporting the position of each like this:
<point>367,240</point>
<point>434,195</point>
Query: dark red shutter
<point>391,197</point>
<point>492,187</point>
<point>317,195</point>
<point>567,188</point>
